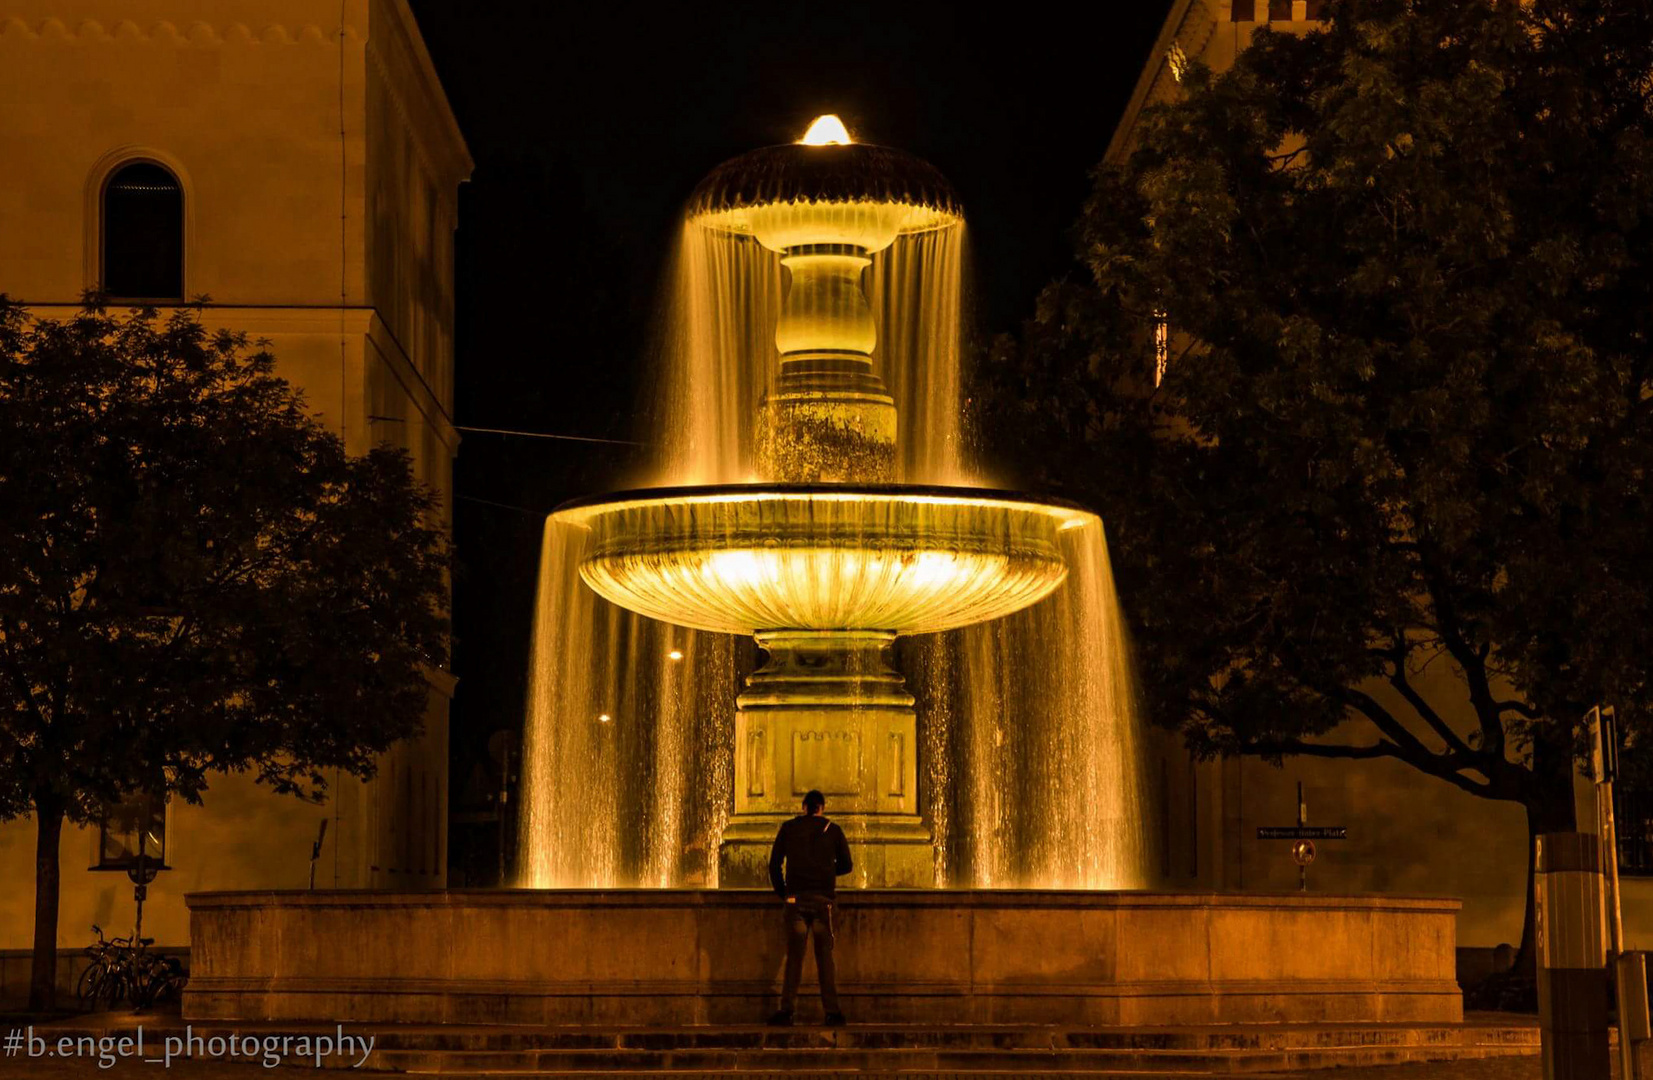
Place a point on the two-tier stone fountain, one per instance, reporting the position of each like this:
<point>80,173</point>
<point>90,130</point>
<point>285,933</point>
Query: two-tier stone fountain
<point>828,557</point>
<point>1029,756</point>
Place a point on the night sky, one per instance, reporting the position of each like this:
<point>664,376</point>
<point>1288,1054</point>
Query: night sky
<point>590,123</point>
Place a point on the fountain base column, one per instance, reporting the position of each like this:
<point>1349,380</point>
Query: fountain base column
<point>827,712</point>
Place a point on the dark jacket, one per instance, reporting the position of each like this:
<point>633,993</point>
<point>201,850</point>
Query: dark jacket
<point>815,853</point>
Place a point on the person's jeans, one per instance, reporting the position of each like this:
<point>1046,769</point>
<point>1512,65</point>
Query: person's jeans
<point>810,915</point>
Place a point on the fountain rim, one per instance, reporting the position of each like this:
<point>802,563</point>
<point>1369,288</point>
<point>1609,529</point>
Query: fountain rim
<point>580,511</point>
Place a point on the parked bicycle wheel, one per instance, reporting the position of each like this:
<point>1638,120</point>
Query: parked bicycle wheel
<point>112,989</point>
<point>89,987</point>
<point>171,980</point>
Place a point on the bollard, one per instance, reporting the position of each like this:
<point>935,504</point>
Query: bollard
<point>1635,1024</point>
<point>1572,958</point>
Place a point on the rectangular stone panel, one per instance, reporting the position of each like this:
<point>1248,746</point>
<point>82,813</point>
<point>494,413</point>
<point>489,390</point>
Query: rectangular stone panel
<point>895,764</point>
<point>754,761</point>
<point>826,760</point>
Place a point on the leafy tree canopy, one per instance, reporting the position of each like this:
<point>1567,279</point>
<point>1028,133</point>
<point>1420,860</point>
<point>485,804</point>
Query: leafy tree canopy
<point>1407,266</point>
<point>195,577</point>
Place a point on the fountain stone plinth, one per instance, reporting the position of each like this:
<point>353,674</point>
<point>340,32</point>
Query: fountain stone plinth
<point>827,712</point>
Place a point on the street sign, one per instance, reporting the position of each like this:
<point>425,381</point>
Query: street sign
<point>1303,835</point>
<point>1302,832</point>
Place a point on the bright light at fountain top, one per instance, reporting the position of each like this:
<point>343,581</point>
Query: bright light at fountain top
<point>827,130</point>
<point>826,188</point>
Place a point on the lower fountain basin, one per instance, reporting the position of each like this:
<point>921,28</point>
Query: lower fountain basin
<point>745,558</point>
<point>675,957</point>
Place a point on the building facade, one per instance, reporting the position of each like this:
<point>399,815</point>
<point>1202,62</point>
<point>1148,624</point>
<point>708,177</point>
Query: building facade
<point>296,162</point>
<point>1409,833</point>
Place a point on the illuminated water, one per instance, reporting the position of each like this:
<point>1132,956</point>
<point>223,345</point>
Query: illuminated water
<point>1028,727</point>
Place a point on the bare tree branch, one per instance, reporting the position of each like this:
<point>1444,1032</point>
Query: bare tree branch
<point>1380,749</point>
<point>1403,685</point>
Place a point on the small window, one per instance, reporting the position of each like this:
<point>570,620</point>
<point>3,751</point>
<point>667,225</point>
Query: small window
<point>143,234</point>
<point>1244,11</point>
<point>1279,10</point>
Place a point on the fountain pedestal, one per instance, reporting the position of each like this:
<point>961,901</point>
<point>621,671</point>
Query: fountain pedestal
<point>828,713</point>
<point>829,418</point>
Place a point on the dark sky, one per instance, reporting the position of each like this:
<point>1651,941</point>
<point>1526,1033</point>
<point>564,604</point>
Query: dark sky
<point>591,122</point>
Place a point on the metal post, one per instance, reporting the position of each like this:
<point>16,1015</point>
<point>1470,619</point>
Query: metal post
<point>502,808</point>
<point>1603,721</point>
<point>1302,863</point>
<point>315,853</point>
<point>140,886</point>
<point>1606,767</point>
<point>1572,961</point>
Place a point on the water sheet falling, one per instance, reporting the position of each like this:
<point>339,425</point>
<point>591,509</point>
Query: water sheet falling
<point>627,751</point>
<point>1032,772</point>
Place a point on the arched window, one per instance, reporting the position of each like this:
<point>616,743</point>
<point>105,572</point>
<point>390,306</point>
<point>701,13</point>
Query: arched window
<point>143,234</point>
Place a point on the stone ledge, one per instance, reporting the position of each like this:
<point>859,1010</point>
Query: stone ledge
<point>848,898</point>
<point>673,957</point>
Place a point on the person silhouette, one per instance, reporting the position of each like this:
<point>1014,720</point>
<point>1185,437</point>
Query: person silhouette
<point>810,854</point>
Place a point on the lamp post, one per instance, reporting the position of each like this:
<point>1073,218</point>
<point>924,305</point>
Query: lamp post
<point>142,871</point>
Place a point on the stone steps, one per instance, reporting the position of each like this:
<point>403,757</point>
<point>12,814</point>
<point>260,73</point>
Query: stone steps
<point>875,1037</point>
<point>976,1051</point>
<point>911,1051</point>
<point>1012,1062</point>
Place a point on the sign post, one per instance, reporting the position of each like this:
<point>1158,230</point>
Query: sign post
<point>140,873</point>
<point>315,852</point>
<point>1303,836</point>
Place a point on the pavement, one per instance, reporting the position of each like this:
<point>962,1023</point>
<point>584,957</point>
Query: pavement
<point>95,1049</point>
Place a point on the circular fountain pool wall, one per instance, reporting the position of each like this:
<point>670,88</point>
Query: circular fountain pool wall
<point>684,957</point>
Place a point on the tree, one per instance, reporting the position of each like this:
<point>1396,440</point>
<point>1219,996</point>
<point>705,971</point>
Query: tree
<point>1405,263</point>
<point>195,578</point>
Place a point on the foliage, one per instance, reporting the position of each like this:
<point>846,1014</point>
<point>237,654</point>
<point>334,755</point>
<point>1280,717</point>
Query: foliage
<point>195,577</point>
<point>1406,262</point>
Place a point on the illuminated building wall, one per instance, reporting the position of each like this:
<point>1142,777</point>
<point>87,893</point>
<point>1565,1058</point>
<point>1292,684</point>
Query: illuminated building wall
<point>318,164</point>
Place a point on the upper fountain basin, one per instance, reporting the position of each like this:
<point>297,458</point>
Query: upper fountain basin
<point>858,195</point>
<point>740,559</point>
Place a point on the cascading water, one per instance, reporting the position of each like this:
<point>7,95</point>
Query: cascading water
<point>626,755</point>
<point>1027,728</point>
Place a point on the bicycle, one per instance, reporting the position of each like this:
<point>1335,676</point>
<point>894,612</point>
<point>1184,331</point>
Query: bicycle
<point>121,969</point>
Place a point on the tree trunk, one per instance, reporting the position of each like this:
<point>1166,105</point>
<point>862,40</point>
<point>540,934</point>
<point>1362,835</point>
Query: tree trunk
<point>1550,808</point>
<point>48,814</point>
